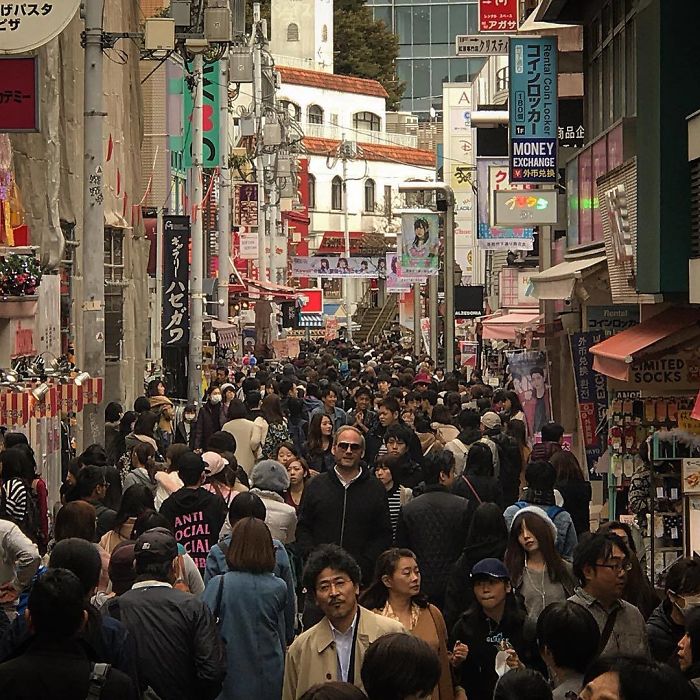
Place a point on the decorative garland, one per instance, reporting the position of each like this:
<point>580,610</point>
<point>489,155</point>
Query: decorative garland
<point>20,275</point>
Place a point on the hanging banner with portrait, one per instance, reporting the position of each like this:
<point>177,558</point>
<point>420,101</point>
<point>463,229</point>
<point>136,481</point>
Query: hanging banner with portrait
<point>529,370</point>
<point>396,279</point>
<point>420,243</point>
<point>334,266</point>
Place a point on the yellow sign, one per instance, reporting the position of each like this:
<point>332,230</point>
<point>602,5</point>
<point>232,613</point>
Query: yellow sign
<point>687,423</point>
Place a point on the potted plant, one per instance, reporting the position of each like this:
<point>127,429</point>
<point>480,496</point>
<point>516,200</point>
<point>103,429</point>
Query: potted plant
<point>20,276</point>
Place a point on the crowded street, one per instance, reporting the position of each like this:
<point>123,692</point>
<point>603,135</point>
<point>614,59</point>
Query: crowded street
<point>349,350</point>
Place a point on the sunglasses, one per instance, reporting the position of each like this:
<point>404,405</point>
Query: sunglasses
<point>352,446</point>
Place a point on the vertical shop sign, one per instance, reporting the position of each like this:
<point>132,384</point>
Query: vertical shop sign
<point>533,109</point>
<point>19,93</point>
<point>591,394</point>
<point>498,15</point>
<point>176,243</point>
<point>245,205</point>
<point>210,116</point>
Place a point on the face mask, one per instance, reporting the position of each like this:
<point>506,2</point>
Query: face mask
<point>215,398</point>
<point>189,417</point>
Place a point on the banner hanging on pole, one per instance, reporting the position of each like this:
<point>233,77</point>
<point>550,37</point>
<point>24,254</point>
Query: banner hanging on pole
<point>420,243</point>
<point>176,243</point>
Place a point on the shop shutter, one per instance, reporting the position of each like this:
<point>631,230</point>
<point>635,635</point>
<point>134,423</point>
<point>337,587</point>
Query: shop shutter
<point>695,208</point>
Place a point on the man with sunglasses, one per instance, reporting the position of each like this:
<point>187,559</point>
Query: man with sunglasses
<point>665,625</point>
<point>346,506</point>
<point>601,563</point>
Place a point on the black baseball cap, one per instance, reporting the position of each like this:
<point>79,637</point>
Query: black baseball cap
<point>156,545</point>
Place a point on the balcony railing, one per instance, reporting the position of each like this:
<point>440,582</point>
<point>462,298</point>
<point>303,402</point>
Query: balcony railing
<point>333,131</point>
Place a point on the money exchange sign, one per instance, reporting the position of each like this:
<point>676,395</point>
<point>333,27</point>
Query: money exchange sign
<point>533,109</point>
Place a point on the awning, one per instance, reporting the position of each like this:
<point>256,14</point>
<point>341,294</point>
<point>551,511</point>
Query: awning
<point>506,326</point>
<point>558,282</point>
<point>226,334</point>
<point>333,243</point>
<point>614,356</point>
<point>311,321</point>
<point>278,291</point>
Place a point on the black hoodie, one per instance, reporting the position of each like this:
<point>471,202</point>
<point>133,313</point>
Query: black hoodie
<point>197,517</point>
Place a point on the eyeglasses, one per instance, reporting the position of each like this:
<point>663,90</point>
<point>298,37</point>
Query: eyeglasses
<point>352,446</point>
<point>617,567</point>
<point>335,584</point>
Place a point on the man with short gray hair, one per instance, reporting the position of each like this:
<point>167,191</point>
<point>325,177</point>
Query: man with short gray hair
<point>346,506</point>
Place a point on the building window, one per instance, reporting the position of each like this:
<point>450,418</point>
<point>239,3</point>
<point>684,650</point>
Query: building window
<point>337,194</point>
<point>324,33</point>
<point>369,195</point>
<point>387,202</point>
<point>314,115</point>
<point>312,192</point>
<point>293,110</point>
<point>292,32</point>
<point>114,291</point>
<point>367,121</point>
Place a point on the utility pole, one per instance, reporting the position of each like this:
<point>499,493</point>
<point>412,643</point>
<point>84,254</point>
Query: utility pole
<point>194,366</point>
<point>259,128</point>
<point>345,154</point>
<point>224,191</point>
<point>449,268</point>
<point>433,315</point>
<point>92,240</point>
<point>417,313</point>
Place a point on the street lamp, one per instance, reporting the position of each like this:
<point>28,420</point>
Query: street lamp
<point>449,263</point>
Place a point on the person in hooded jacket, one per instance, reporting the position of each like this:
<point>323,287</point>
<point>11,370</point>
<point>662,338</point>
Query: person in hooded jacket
<point>196,514</point>
<point>209,418</point>
<point>487,539</point>
<point>689,650</point>
<point>270,480</point>
<point>682,594</point>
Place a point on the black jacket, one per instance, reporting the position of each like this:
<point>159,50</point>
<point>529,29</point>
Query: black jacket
<point>460,594</point>
<point>180,654</point>
<point>58,670</point>
<point>181,437</point>
<point>434,525</point>
<point>488,489</point>
<point>664,634</point>
<point>407,472</point>
<point>104,518</point>
<point>356,518</point>
<point>577,501</point>
<point>509,466</point>
<point>322,461</point>
<point>477,674</point>
<point>208,423</point>
<point>197,517</point>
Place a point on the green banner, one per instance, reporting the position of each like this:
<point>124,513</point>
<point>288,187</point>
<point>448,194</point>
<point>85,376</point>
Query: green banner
<point>210,117</point>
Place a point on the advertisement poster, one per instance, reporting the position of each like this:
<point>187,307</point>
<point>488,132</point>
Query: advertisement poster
<point>396,280</point>
<point>420,243</point>
<point>533,109</point>
<point>333,266</point>
<point>176,320</point>
<point>498,15</point>
<point>591,395</point>
<point>530,372</point>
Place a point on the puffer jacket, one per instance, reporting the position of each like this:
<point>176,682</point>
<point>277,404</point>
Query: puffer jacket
<point>434,525</point>
<point>664,634</point>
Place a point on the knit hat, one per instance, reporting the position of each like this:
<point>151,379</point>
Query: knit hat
<point>227,385</point>
<point>491,420</point>
<point>269,475</point>
<point>536,510</point>
<point>215,463</point>
<point>422,379</point>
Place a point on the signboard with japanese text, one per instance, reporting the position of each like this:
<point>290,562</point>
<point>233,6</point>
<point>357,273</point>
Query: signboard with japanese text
<point>498,15</point>
<point>245,205</point>
<point>396,279</point>
<point>211,158</point>
<point>492,176</point>
<point>334,266</point>
<point>25,26</point>
<point>248,245</point>
<point>571,130</point>
<point>176,243</point>
<point>533,109</point>
<point>591,395</point>
<point>477,45</point>
<point>611,319</point>
<point>19,94</point>
<point>525,207</point>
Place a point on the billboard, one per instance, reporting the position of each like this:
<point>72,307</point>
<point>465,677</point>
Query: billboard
<point>498,15</point>
<point>210,116</point>
<point>337,266</point>
<point>532,104</point>
<point>19,94</point>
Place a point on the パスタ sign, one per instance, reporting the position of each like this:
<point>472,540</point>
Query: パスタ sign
<point>25,26</point>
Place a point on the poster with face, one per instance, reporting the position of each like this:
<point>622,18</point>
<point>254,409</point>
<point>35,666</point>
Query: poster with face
<point>334,266</point>
<point>396,280</point>
<point>420,243</point>
<point>530,372</point>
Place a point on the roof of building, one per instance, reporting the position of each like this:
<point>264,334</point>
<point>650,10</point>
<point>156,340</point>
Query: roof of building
<point>374,151</point>
<point>330,81</point>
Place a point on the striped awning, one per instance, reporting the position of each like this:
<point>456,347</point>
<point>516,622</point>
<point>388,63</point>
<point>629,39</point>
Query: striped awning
<point>311,320</point>
<point>226,334</point>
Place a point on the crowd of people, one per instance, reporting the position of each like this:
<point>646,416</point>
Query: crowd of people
<point>353,524</point>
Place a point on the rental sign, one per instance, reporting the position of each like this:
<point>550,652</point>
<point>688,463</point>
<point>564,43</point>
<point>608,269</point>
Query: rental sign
<point>533,109</point>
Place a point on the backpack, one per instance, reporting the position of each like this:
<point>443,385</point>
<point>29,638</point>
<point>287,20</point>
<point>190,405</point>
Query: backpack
<point>460,451</point>
<point>552,511</point>
<point>277,433</point>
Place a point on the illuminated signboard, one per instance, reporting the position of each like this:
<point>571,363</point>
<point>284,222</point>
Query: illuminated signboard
<point>525,207</point>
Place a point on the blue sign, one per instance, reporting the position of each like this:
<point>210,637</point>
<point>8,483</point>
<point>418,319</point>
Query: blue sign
<point>533,109</point>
